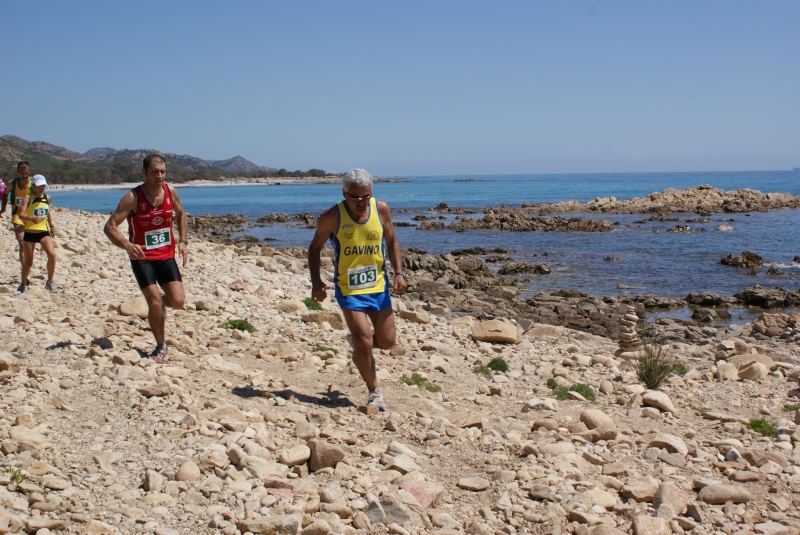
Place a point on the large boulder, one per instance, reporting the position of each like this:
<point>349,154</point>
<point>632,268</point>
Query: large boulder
<point>755,371</point>
<point>496,331</point>
<point>135,307</point>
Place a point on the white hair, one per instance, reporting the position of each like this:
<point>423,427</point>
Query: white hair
<point>356,177</point>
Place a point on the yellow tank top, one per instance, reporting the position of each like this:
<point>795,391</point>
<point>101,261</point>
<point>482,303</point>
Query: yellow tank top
<point>360,253</point>
<point>19,196</point>
<point>38,207</point>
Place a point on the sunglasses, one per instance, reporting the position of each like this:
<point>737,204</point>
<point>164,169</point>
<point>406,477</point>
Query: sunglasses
<point>358,199</point>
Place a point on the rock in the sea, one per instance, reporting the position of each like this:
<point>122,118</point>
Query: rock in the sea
<point>745,260</point>
<point>497,331</point>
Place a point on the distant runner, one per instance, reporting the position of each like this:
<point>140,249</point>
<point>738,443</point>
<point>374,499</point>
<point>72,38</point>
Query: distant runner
<point>37,218</point>
<point>149,209</point>
<point>16,191</point>
<point>360,228</point>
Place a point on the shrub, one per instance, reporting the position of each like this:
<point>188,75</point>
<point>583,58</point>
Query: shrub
<point>696,408</point>
<point>482,370</point>
<point>774,368</point>
<point>561,393</point>
<point>655,364</point>
<point>323,348</point>
<point>239,325</point>
<point>16,475</point>
<point>763,427</point>
<point>311,304</point>
<point>790,408</point>
<point>498,364</point>
<point>680,369</point>
<point>420,382</point>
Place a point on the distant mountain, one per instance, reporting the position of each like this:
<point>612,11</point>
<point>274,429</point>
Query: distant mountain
<point>98,152</point>
<point>239,165</point>
<point>46,155</point>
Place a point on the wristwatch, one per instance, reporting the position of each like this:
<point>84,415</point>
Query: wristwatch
<point>401,274</point>
<point>185,241</point>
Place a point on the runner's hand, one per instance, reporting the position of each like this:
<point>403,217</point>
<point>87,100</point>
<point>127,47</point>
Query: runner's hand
<point>320,294</point>
<point>134,251</point>
<point>182,250</point>
<point>36,220</point>
<point>399,284</point>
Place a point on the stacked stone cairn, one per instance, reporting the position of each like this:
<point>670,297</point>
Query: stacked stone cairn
<point>629,341</point>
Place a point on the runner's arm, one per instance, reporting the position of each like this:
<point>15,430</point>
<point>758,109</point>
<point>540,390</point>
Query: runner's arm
<point>24,208</point>
<point>50,221</point>
<point>125,208</point>
<point>399,284</point>
<point>183,223</point>
<point>326,226</point>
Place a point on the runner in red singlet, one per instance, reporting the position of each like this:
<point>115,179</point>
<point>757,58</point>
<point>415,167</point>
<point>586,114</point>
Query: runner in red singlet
<point>149,209</point>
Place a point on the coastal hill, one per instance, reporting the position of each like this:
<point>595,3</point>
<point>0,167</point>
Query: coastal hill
<point>108,165</point>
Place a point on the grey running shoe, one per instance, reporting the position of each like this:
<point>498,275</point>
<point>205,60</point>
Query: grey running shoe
<point>159,354</point>
<point>375,399</point>
<point>21,288</point>
<point>51,287</point>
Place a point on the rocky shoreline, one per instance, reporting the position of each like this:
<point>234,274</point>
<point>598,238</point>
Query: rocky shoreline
<point>703,200</point>
<point>260,432</point>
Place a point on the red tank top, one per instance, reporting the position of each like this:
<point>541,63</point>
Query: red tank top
<point>151,228</point>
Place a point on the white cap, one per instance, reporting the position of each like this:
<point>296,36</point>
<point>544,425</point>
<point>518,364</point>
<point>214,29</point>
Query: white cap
<point>39,180</point>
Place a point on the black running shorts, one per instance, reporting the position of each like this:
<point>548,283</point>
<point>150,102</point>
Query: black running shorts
<point>34,237</point>
<point>149,272</point>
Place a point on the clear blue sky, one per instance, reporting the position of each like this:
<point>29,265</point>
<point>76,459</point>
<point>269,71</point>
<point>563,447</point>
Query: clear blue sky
<point>401,88</point>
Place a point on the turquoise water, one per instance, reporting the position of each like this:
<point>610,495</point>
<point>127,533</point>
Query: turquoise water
<point>670,264</point>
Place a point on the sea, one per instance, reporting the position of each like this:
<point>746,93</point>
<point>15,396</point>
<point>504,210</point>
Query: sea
<point>650,260</point>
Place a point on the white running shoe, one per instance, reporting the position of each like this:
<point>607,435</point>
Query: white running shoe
<point>159,354</point>
<point>375,399</point>
<point>51,287</point>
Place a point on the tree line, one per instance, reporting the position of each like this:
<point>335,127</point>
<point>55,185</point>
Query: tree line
<point>67,172</point>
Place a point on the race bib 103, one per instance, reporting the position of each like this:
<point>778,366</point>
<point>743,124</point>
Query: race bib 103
<point>362,277</point>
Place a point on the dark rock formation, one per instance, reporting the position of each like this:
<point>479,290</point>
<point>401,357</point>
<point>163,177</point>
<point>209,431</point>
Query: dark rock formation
<point>745,260</point>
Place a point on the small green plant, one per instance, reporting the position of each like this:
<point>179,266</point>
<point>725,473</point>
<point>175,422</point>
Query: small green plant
<point>482,370</point>
<point>239,325</point>
<point>561,393</point>
<point>774,368</point>
<point>420,382</point>
<point>790,408</point>
<point>763,427</point>
<point>80,253</point>
<point>311,304</point>
<point>323,348</point>
<point>16,475</point>
<point>696,408</point>
<point>584,390</point>
<point>680,369</point>
<point>655,364</point>
<point>498,364</point>
<point>213,314</point>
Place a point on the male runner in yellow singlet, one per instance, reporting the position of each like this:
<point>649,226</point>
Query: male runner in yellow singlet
<point>16,191</point>
<point>360,228</point>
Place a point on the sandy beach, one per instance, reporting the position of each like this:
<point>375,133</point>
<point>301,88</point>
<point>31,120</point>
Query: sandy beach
<point>261,432</point>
